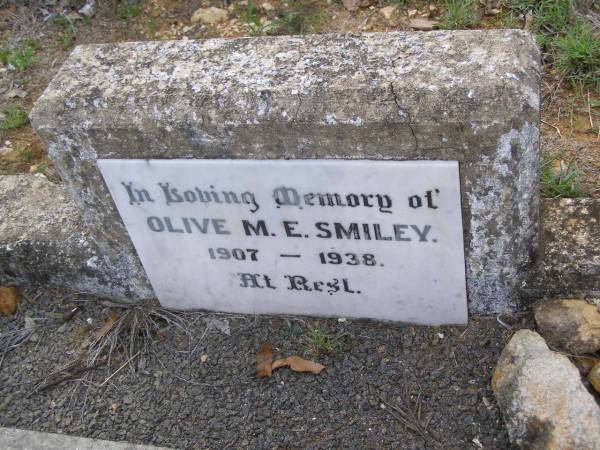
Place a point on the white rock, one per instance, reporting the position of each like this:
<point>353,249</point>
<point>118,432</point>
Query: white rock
<point>89,9</point>
<point>210,15</point>
<point>423,24</point>
<point>388,12</point>
<point>544,403</point>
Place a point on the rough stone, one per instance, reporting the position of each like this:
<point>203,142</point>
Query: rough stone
<point>542,398</point>
<point>573,224</point>
<point>210,15</point>
<point>470,96</point>
<point>89,9</point>
<point>570,325</point>
<point>9,299</point>
<point>388,11</point>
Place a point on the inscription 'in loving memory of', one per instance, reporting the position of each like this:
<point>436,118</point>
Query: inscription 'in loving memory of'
<point>252,236</point>
<point>282,196</point>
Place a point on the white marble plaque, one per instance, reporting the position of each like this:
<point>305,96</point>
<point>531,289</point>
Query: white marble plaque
<point>372,239</point>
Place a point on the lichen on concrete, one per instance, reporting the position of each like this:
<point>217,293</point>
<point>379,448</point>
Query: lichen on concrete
<point>569,263</point>
<point>470,96</point>
<point>43,240</point>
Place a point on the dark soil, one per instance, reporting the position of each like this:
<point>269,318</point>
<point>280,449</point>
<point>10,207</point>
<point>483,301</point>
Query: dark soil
<point>175,399</point>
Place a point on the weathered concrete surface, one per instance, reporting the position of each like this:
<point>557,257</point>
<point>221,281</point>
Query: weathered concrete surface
<point>569,263</point>
<point>544,403</point>
<point>43,240</point>
<point>16,439</point>
<point>470,96</point>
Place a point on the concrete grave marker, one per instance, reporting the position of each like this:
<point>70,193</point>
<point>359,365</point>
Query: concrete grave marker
<point>379,239</point>
<point>420,106</point>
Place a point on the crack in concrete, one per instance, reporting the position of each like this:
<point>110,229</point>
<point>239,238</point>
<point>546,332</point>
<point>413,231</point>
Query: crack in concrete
<point>406,113</point>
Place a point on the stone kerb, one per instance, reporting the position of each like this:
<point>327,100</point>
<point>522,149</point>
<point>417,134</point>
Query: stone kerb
<point>469,96</point>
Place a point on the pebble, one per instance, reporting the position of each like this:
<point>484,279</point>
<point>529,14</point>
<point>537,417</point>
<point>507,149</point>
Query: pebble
<point>210,15</point>
<point>535,386</point>
<point>89,9</point>
<point>594,377</point>
<point>388,11</point>
<point>572,325</point>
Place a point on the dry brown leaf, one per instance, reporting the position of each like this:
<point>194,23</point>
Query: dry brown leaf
<point>298,364</point>
<point>559,168</point>
<point>9,299</point>
<point>423,24</point>
<point>264,358</point>
<point>107,325</point>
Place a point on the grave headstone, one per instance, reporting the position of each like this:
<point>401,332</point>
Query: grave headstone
<point>386,175</point>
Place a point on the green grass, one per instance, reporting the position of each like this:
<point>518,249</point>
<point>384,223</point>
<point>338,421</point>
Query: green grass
<point>4,55</point>
<point>40,168</point>
<point>573,45</point>
<point>550,18</point>
<point>151,27</point>
<point>301,19</point>
<point>250,17</point>
<point>26,154</point>
<point>577,55</point>
<point>20,57</point>
<point>128,9</point>
<point>564,182</point>
<point>14,117</point>
<point>319,341</point>
<point>460,14</point>
<point>67,36</point>
<point>509,20</point>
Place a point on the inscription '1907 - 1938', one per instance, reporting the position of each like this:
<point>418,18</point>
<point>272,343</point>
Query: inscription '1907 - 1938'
<point>292,236</point>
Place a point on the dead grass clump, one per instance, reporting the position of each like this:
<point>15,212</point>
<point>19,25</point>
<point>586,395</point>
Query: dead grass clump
<point>131,330</point>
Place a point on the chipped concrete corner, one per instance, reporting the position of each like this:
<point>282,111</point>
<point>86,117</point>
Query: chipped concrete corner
<point>43,240</point>
<point>470,96</point>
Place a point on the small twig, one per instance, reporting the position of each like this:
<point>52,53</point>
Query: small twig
<point>71,314</point>
<point>70,376</point>
<point>501,322</point>
<point>412,419</point>
<point>30,300</point>
<point>364,23</point>
<point>119,369</point>
<point>553,126</point>
<point>590,111</point>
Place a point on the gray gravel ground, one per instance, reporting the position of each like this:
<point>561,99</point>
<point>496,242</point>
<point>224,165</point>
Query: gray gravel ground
<point>175,399</point>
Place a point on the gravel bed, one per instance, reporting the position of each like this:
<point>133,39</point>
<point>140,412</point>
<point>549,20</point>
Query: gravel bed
<point>199,390</point>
